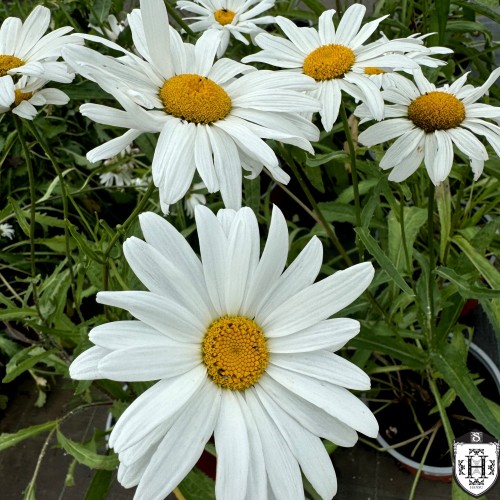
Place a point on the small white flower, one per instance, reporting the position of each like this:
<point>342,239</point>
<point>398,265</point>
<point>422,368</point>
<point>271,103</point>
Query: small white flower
<point>241,349</point>
<point>25,51</point>
<point>229,17</point>
<point>6,231</point>
<point>428,121</point>
<point>194,198</point>
<point>209,118</point>
<point>120,169</point>
<point>336,58</point>
<point>114,28</point>
<point>22,97</point>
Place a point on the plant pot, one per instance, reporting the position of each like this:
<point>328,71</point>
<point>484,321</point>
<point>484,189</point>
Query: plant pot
<point>397,421</point>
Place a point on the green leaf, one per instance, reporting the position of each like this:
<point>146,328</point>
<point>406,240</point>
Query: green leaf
<point>489,273</point>
<point>7,440</point>
<point>20,216</point>
<point>442,10</point>
<point>318,160</point>
<point>384,262</point>
<point>24,360</point>
<point>86,455</point>
<point>414,219</point>
<point>460,26</point>
<point>465,288</point>
<point>479,8</point>
<point>316,6</point>
<point>443,199</point>
<point>337,212</point>
<point>101,9</point>
<point>197,486</point>
<point>20,313</point>
<point>99,486</point>
<point>450,362</point>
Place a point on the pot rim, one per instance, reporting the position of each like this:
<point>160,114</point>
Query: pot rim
<point>432,470</point>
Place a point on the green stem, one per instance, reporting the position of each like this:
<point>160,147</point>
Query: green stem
<point>31,178</point>
<point>178,19</point>
<point>327,227</point>
<point>442,411</point>
<point>354,172</point>
<point>41,140</point>
<point>122,228</point>
<point>432,261</point>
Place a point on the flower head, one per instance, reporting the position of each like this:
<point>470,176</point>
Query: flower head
<point>428,121</point>
<point>336,58</point>
<point>119,169</point>
<point>22,97</point>
<point>6,231</point>
<point>24,50</point>
<point>242,349</point>
<point>208,119</point>
<point>229,17</point>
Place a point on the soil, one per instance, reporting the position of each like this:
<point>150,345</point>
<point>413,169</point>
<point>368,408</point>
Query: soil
<point>398,420</point>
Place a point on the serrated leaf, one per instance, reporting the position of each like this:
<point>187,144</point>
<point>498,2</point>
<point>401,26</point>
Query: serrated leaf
<point>24,360</point>
<point>466,289</point>
<point>384,262</point>
<point>85,455</point>
<point>318,160</point>
<point>7,439</point>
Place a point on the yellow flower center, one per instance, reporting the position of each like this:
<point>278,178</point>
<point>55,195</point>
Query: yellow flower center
<point>329,61</point>
<point>436,111</point>
<point>371,70</point>
<point>22,96</point>
<point>9,62</point>
<point>224,16</point>
<point>235,352</point>
<point>195,98</point>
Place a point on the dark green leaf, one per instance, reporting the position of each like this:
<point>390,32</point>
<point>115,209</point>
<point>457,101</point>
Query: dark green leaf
<point>7,440</point>
<point>99,486</point>
<point>197,486</point>
<point>318,160</point>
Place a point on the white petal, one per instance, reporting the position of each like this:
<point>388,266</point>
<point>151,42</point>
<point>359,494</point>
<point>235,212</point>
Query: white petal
<point>405,145</point>
<point>154,406</point>
<point>7,91</point>
<point>305,39</point>
<point>204,160</point>
<point>319,301</point>
<point>468,143</point>
<point>182,446</point>
<point>9,34</point>
<point>233,452</point>
<point>54,96</point>
<point>385,131</point>
<point>84,367</point>
<point>113,147</point>
<point>282,468</point>
<point>349,24</point>
<point>443,161</point>
<point>159,312</point>
<point>205,50</point>
<point>335,400</point>
<point>326,29</point>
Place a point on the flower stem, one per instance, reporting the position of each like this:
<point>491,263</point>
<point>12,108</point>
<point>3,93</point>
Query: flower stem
<point>326,226</point>
<point>31,178</point>
<point>432,261</point>
<point>354,172</point>
<point>41,140</point>
<point>178,19</point>
<point>122,228</point>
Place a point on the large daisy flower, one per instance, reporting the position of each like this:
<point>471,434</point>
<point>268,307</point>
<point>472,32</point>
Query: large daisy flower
<point>241,350</point>
<point>428,121</point>
<point>208,119</point>
<point>230,17</point>
<point>22,97</point>
<point>336,58</point>
<point>24,50</point>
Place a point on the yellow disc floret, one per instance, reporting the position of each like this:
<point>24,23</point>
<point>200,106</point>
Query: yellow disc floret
<point>224,16</point>
<point>195,98</point>
<point>9,62</point>
<point>235,352</point>
<point>329,61</point>
<point>372,70</point>
<point>436,111</point>
<point>22,96</point>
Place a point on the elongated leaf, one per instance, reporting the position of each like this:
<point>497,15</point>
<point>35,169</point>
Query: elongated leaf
<point>451,364</point>
<point>99,486</point>
<point>442,10</point>
<point>21,217</point>
<point>87,456</point>
<point>24,360</point>
<point>443,199</point>
<point>479,8</point>
<point>460,26</point>
<point>319,160</point>
<point>21,313</point>
<point>384,262</point>
<point>489,273</point>
<point>197,486</point>
<point>7,440</point>
<point>467,290</point>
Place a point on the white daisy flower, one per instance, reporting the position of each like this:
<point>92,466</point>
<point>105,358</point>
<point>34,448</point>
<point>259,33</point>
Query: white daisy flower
<point>241,349</point>
<point>24,50</point>
<point>113,28</point>
<point>208,119</point>
<point>336,58</point>
<point>6,231</point>
<point>22,97</point>
<point>194,198</point>
<point>229,17</point>
<point>120,168</point>
<point>428,121</point>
